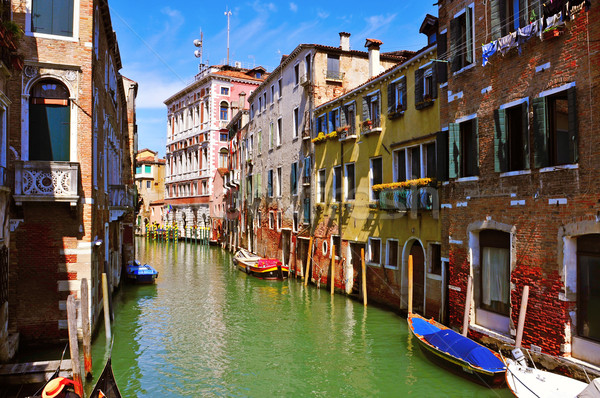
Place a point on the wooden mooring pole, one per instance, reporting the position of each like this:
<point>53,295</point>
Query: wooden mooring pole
<point>522,314</point>
<point>106,309</point>
<point>307,270</point>
<point>85,328</point>
<point>332,269</point>
<point>364,276</point>
<point>73,344</point>
<point>465,330</point>
<point>410,283</point>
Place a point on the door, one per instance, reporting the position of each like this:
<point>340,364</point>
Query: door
<point>356,261</point>
<point>286,246</point>
<point>418,256</point>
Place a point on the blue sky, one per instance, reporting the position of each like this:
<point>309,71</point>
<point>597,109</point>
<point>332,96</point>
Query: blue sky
<point>156,40</point>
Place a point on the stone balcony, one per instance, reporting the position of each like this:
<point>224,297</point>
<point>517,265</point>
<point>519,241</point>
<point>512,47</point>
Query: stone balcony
<point>46,181</point>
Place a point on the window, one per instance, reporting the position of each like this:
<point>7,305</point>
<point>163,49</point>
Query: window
<point>223,157</point>
<point>495,271</point>
<point>265,99</point>
<point>337,184</point>
<point>296,74</point>
<point>272,93</point>
<point>279,131</point>
<point>321,125</point>
<point>280,88</point>
<point>425,86</point>
<point>224,90</point>
<point>511,141</point>
<point>306,175</point>
<point>376,174</point>
<point>270,183</point>
<point>148,184</point>
<point>271,220</point>
<point>397,96</point>
<point>259,141</point>
<point>296,122</point>
<point>555,129</point>
<point>224,111</point>
<point>306,218</point>
<point>334,120</point>
<point>295,222</point>
<point>349,118</point>
<point>510,15</point>
<point>350,182</point>
<point>307,67</point>
<point>53,17</point>
<point>391,253</point>
<point>461,40</point>
<point>271,136</point>
<point>138,170</point>
<point>49,122</point>
<point>333,67</point>
<point>371,109</point>
<point>251,111</point>
<point>588,293</point>
<point>224,137</point>
<point>294,178</point>
<point>463,149</point>
<point>279,221</point>
<point>414,164</point>
<point>259,104</point>
<point>336,241</point>
<point>435,264</point>
<point>278,185</point>
<point>374,251</point>
<point>147,169</point>
<point>321,186</point>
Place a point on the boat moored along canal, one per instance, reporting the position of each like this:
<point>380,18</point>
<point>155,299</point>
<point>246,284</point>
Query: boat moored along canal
<point>141,273</point>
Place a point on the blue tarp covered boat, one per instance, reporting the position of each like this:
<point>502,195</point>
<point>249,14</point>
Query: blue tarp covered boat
<point>459,353</point>
<point>136,272</point>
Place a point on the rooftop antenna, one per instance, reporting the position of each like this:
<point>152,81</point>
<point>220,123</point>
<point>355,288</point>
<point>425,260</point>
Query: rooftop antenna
<point>228,14</point>
<point>199,43</point>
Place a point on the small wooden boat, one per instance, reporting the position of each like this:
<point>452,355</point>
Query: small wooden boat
<point>243,259</point>
<point>139,273</point>
<point>456,352</point>
<point>106,386</point>
<point>268,268</point>
<point>525,381</point>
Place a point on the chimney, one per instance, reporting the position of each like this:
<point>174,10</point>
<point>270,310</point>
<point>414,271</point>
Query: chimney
<point>345,41</point>
<point>374,64</point>
<point>242,99</point>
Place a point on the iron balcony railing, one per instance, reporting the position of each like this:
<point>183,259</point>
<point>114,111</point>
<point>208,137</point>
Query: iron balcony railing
<point>402,199</point>
<point>46,181</point>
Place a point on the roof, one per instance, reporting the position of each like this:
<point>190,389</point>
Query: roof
<point>429,25</point>
<point>222,171</point>
<point>157,202</point>
<point>238,75</point>
<point>147,150</point>
<point>373,42</point>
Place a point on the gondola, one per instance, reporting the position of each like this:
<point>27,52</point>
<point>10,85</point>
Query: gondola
<point>456,352</point>
<point>106,386</point>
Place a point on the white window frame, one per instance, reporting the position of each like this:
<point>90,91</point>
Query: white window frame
<point>334,191</point>
<point>278,178</point>
<point>271,220</point>
<point>370,255</point>
<point>279,220</point>
<point>458,14</point>
<point>319,193</point>
<point>387,254</point>
<point>346,185</point>
<point>372,195</point>
<point>296,118</point>
<point>279,88</point>
<point>279,137</point>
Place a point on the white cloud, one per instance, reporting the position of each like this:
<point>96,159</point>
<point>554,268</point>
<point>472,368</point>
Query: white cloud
<point>376,25</point>
<point>322,14</point>
<point>294,7</point>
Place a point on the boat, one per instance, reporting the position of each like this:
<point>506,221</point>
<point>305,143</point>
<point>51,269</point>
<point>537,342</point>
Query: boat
<point>243,259</point>
<point>106,386</point>
<point>456,352</point>
<point>139,273</point>
<point>268,268</point>
<point>525,381</point>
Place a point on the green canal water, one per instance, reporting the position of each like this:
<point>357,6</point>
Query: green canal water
<point>207,329</point>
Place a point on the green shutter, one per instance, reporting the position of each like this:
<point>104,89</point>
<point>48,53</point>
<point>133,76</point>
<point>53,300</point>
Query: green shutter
<point>453,150</point>
<point>469,35</point>
<point>343,116</point>
<point>525,132</point>
<point>404,93</point>
<point>418,87</point>
<point>49,132</point>
<point>329,117</point>
<point>62,18</point>
<point>496,18</point>
<point>573,131</point>
<point>540,133</point>
<point>455,44</point>
<point>500,142</point>
<point>441,148</point>
<point>391,95</point>
<point>365,109</point>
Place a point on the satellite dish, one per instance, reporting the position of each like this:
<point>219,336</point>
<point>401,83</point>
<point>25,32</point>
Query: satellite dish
<point>198,53</point>
<point>197,42</point>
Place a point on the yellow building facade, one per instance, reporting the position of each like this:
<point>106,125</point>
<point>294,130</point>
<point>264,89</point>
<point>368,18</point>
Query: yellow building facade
<point>376,172</point>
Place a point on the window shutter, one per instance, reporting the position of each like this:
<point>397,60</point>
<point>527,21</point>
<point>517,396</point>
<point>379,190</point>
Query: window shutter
<point>365,109</point>
<point>391,94</point>
<point>454,57</point>
<point>497,12</point>
<point>404,92</point>
<point>500,142</point>
<point>525,132</point>
<point>337,117</point>
<point>540,133</point>
<point>330,122</point>
<point>418,88</point>
<point>441,149</point>
<point>476,130</point>
<point>453,150</point>
<point>316,132</point>
<point>573,133</point>
<point>343,116</point>
<point>434,81</point>
<point>469,34</point>
<point>442,50</point>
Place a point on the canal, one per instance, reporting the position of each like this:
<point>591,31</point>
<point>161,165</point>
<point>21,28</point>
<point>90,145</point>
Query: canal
<point>207,329</point>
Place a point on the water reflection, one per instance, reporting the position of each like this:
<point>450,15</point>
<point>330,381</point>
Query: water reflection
<point>207,329</point>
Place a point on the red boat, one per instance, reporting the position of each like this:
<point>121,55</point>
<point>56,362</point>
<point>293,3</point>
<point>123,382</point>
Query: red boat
<point>268,268</point>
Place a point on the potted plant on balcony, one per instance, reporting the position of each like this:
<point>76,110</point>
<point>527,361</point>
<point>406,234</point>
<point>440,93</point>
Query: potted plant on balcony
<point>368,124</point>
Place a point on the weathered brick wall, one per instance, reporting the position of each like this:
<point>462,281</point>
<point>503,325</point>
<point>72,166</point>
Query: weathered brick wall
<point>537,224</point>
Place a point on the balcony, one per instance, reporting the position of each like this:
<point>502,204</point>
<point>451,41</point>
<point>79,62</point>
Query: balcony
<point>371,126</point>
<point>306,181</point>
<point>347,133</point>
<point>402,199</point>
<point>334,75</point>
<point>42,181</point>
<point>305,80</point>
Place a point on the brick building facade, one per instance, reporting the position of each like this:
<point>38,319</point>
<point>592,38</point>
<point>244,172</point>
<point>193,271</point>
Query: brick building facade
<point>521,205</point>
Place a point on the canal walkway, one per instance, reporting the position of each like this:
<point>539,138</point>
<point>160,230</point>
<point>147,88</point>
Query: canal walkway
<point>207,329</point>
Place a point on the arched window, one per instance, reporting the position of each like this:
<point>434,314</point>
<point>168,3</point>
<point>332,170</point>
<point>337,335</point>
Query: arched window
<point>223,155</point>
<point>224,111</point>
<point>49,121</point>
